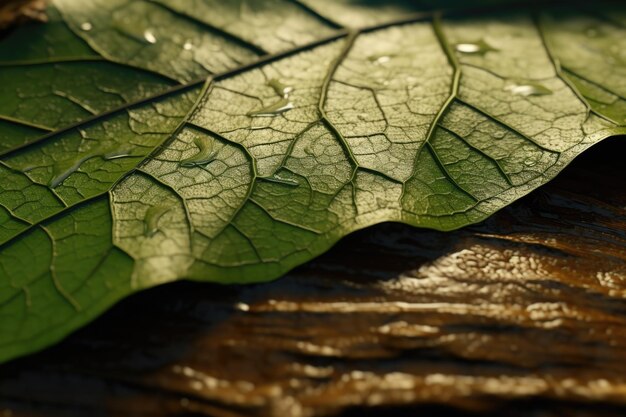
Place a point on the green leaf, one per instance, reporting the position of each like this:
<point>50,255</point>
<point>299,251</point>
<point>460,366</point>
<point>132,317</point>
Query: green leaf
<point>121,168</point>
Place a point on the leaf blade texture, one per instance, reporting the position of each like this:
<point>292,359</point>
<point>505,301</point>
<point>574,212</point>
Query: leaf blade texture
<point>150,141</point>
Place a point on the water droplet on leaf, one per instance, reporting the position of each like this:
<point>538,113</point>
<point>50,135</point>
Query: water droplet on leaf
<point>149,36</point>
<point>530,162</point>
<point>205,153</point>
<point>279,106</point>
<point>286,181</point>
<point>479,47</point>
<point>528,89</point>
<point>63,168</point>
<point>116,155</point>
<point>281,89</point>
<point>273,109</point>
<point>86,26</point>
<point>151,219</point>
<point>188,46</point>
<point>379,59</point>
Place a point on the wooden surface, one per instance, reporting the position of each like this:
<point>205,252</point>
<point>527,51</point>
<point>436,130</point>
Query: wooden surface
<point>14,12</point>
<point>523,315</point>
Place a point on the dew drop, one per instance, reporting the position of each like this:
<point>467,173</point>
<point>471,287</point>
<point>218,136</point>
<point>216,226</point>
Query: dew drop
<point>278,107</point>
<point>273,109</point>
<point>62,169</point>
<point>205,153</point>
<point>281,89</point>
<point>282,180</point>
<point>86,26</point>
<point>188,46</point>
<point>151,219</point>
<point>149,36</point>
<point>116,155</point>
<point>528,89</point>
<point>478,48</point>
<point>530,162</point>
<point>381,60</point>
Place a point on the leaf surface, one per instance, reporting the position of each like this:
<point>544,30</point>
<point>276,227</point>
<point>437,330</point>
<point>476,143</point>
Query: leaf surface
<point>121,169</point>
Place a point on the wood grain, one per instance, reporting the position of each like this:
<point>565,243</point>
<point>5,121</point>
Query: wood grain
<point>15,12</point>
<point>523,315</point>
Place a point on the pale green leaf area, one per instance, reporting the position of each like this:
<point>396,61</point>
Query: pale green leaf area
<point>147,141</point>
